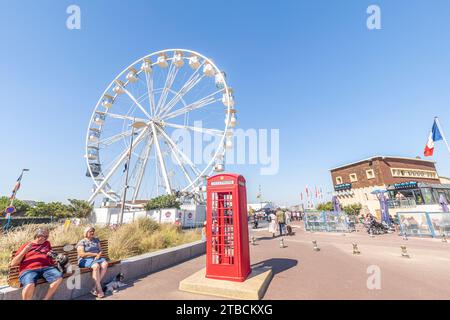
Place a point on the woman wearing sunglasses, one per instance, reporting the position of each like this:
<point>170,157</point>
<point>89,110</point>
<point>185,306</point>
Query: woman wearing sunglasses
<point>34,261</point>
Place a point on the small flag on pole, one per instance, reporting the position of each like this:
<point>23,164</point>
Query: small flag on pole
<point>16,187</point>
<point>435,135</point>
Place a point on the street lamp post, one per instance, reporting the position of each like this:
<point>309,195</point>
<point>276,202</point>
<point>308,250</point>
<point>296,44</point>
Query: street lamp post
<point>260,198</point>
<point>134,125</point>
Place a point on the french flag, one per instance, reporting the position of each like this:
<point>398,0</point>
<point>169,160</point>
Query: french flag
<point>435,135</point>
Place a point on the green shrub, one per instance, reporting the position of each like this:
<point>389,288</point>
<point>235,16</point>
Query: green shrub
<point>325,206</point>
<point>164,201</point>
<point>76,209</point>
<point>80,208</point>
<point>353,210</point>
<point>18,204</point>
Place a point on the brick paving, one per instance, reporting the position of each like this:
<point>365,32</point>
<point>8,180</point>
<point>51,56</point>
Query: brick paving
<point>331,273</point>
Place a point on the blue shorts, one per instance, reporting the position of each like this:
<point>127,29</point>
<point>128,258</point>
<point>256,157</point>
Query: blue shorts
<point>50,274</point>
<point>89,262</point>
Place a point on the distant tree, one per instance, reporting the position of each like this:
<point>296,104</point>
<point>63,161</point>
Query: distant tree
<point>18,204</point>
<point>55,209</point>
<point>164,201</point>
<point>328,206</point>
<point>79,208</point>
<point>39,210</point>
<point>353,209</point>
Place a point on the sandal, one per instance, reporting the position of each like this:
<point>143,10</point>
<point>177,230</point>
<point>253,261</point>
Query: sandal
<point>100,295</point>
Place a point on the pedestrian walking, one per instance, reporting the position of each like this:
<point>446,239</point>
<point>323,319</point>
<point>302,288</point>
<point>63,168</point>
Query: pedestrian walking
<point>287,217</point>
<point>273,224</point>
<point>281,221</point>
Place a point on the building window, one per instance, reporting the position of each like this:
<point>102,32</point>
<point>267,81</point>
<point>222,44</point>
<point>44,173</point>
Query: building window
<point>416,173</point>
<point>338,180</point>
<point>370,174</point>
<point>353,177</point>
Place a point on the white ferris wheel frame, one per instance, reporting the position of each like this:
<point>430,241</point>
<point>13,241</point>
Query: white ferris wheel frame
<point>155,128</point>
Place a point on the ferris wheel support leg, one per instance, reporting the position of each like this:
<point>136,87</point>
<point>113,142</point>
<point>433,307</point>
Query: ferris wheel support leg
<point>177,158</point>
<point>161,160</point>
<point>141,174</point>
<point>116,166</point>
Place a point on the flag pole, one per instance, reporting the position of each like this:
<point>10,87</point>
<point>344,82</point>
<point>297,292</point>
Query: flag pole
<point>442,133</point>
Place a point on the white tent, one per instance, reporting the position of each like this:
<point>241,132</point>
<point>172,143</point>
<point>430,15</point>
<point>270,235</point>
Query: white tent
<point>260,206</point>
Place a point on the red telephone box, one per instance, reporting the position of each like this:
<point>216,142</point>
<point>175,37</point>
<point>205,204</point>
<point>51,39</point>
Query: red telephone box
<point>227,242</point>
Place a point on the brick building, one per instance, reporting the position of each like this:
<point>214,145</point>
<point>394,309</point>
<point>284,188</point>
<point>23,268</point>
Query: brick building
<point>410,182</point>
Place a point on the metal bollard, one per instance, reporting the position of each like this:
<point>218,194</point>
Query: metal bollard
<point>405,253</point>
<point>315,247</point>
<point>355,249</point>
<point>282,243</point>
<point>253,240</point>
<point>444,239</point>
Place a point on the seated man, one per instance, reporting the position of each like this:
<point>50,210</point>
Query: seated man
<point>34,261</point>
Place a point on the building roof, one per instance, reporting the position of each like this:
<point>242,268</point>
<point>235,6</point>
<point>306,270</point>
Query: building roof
<point>380,157</point>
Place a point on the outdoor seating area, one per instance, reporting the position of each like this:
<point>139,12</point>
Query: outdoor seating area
<point>424,224</point>
<point>13,272</point>
<point>328,221</point>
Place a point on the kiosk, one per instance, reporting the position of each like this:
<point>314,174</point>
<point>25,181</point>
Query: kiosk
<point>227,239</point>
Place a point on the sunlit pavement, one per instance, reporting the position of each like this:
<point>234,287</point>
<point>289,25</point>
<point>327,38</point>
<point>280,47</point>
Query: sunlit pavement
<point>331,273</point>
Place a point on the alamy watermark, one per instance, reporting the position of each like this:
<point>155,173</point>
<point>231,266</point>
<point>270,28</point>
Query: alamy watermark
<point>73,21</point>
<point>374,280</point>
<point>374,19</point>
<point>242,147</point>
<point>74,281</point>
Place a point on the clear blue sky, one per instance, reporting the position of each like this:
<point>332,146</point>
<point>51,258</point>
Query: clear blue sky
<point>337,91</point>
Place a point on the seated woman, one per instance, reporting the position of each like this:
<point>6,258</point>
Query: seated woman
<point>34,261</point>
<point>89,256</point>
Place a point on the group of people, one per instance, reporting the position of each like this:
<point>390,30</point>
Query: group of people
<point>280,221</point>
<point>34,261</point>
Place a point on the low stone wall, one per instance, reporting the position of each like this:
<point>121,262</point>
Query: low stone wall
<point>132,268</point>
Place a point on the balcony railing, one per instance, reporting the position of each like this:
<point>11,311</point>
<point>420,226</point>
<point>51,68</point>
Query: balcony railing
<point>402,203</point>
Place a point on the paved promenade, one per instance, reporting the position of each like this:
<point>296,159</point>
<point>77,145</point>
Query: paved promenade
<point>331,273</point>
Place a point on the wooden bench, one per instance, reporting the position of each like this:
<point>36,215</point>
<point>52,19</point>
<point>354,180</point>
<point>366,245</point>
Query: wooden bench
<point>13,272</point>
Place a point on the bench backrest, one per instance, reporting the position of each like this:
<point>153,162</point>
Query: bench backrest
<point>13,272</point>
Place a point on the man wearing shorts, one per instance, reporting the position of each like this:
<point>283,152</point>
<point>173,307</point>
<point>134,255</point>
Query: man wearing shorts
<point>34,263</point>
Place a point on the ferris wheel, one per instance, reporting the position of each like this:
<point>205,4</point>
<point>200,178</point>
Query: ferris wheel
<point>161,127</point>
